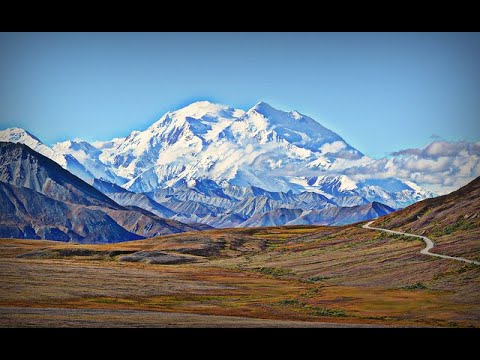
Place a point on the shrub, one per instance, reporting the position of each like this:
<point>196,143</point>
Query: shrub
<point>314,279</point>
<point>322,311</point>
<point>289,302</point>
<point>275,272</point>
<point>416,286</point>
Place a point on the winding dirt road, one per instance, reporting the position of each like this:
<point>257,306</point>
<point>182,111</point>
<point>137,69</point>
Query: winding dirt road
<point>426,251</point>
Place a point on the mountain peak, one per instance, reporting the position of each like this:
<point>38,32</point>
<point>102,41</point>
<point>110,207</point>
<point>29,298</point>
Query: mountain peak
<point>74,145</point>
<point>199,109</point>
<point>14,134</point>
<point>380,208</point>
<point>203,103</point>
<point>262,104</point>
<point>35,169</point>
<point>19,135</point>
<point>280,116</point>
<point>265,108</point>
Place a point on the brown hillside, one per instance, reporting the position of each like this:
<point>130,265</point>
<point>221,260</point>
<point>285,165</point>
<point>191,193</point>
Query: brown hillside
<point>452,221</point>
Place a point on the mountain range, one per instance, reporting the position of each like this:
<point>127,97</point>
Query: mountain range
<point>41,200</point>
<point>214,165</point>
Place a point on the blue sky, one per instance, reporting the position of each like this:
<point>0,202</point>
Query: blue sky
<point>382,92</point>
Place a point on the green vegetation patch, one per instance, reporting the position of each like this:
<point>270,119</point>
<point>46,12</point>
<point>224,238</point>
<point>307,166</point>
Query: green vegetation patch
<point>62,253</point>
<point>323,311</point>
<point>402,237</point>
<point>73,252</point>
<point>416,286</point>
<point>310,293</point>
<point>314,310</point>
<point>460,225</point>
<point>315,279</point>
<point>466,267</point>
<point>291,302</point>
<point>275,272</point>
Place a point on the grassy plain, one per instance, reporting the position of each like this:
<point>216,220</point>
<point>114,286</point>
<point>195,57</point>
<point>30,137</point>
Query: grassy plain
<point>284,276</point>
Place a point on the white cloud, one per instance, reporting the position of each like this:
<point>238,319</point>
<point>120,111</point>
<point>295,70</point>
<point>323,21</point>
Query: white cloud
<point>440,166</point>
<point>333,147</point>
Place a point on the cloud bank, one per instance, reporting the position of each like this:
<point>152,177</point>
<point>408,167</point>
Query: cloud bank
<point>441,166</point>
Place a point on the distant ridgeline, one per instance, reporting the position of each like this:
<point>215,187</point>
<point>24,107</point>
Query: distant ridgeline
<point>205,165</point>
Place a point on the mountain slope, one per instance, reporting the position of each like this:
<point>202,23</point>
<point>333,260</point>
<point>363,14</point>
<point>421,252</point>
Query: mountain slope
<point>107,187</point>
<point>334,215</point>
<point>255,205</point>
<point>277,217</point>
<point>175,135</point>
<point>205,192</point>
<point>127,198</point>
<point>67,161</point>
<point>141,201</point>
<point>223,221</point>
<point>311,201</point>
<point>265,123</point>
<point>347,192</point>
<point>40,199</point>
<point>189,207</point>
<point>147,224</point>
<point>459,210</point>
<point>23,167</point>
<point>89,157</point>
<point>28,214</point>
<point>343,215</point>
<point>452,221</point>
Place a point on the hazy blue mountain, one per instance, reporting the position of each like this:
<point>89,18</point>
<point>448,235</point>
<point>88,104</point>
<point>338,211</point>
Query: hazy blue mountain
<point>334,215</point>
<point>40,199</point>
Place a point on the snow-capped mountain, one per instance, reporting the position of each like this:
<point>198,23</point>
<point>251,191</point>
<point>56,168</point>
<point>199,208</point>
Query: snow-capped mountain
<point>347,192</point>
<point>89,157</point>
<point>221,166</point>
<point>17,135</point>
<point>78,157</point>
<point>328,185</point>
<point>179,136</point>
<point>67,161</point>
<point>261,147</point>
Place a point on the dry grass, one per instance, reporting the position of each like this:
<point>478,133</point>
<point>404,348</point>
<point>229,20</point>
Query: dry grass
<point>341,275</point>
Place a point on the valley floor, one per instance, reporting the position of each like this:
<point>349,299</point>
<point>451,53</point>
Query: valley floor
<point>272,277</point>
<point>107,318</point>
